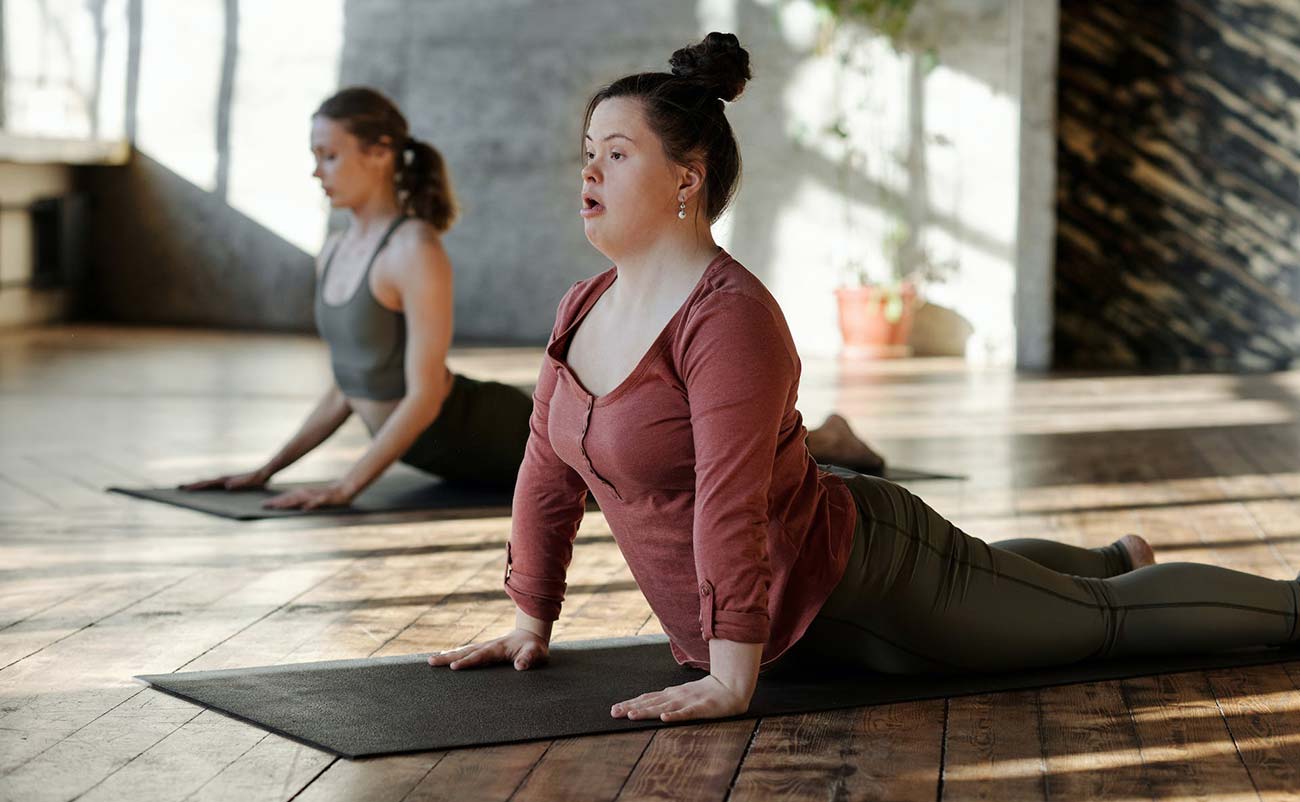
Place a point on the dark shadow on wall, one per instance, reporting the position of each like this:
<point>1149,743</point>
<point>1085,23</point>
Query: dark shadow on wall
<point>167,252</point>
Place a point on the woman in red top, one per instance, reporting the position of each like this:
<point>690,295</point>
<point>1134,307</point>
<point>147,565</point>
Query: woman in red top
<point>668,391</point>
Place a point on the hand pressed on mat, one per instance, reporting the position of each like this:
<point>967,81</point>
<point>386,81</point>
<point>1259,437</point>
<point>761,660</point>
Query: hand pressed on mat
<point>733,674</point>
<point>703,698</point>
<point>310,498</point>
<point>527,646</point>
<point>253,480</point>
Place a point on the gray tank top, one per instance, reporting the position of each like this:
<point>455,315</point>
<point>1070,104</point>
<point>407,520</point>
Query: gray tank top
<point>367,341</point>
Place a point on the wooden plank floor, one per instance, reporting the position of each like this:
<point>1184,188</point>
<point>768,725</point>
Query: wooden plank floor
<point>95,588</point>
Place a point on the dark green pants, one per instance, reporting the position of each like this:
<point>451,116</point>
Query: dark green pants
<point>478,437</point>
<point>920,595</point>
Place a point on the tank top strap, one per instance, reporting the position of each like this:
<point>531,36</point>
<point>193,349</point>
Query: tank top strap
<point>383,242</point>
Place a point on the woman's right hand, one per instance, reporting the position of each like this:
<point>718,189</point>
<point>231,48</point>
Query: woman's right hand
<point>522,648</point>
<point>253,480</point>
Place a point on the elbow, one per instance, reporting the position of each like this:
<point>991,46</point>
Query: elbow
<point>425,403</point>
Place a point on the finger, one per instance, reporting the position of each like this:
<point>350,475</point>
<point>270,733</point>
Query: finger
<point>655,709</point>
<point>621,708</point>
<point>480,656</point>
<point>445,658</point>
<point>641,706</point>
<point>283,502</point>
<point>202,484</point>
<point>687,713</point>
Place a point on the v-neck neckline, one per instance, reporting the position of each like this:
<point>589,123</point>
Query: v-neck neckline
<point>566,337</point>
<point>365,273</point>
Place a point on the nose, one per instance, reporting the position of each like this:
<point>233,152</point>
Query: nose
<point>589,173</point>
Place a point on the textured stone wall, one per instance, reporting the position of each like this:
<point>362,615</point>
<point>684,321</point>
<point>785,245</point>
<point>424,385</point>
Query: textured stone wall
<point>1178,189</point>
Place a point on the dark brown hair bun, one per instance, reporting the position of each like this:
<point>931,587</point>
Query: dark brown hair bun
<point>719,64</point>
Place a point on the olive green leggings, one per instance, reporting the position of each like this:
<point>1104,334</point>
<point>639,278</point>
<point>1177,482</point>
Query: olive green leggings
<point>920,595</point>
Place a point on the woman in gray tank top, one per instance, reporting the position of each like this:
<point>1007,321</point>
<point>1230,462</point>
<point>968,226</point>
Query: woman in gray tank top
<point>384,306</point>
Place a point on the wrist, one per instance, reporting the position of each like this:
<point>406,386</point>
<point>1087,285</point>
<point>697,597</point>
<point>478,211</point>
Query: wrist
<point>735,665</point>
<point>348,488</point>
<point>533,626</point>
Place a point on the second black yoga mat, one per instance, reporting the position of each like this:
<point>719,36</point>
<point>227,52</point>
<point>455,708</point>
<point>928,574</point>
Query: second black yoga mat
<point>391,493</point>
<point>384,705</point>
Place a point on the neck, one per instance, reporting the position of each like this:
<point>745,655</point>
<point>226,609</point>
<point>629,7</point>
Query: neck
<point>376,212</point>
<point>666,263</point>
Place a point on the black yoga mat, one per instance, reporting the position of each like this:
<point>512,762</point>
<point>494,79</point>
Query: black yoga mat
<point>390,493</point>
<point>356,708</point>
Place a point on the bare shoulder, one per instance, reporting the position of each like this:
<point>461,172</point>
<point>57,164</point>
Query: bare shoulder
<point>416,250</point>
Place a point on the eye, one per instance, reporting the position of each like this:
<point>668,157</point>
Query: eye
<point>590,155</point>
<point>616,156</point>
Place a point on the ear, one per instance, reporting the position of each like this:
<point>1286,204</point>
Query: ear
<point>690,180</point>
<point>381,148</point>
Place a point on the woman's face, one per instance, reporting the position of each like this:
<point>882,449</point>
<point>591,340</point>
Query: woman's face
<point>630,189</point>
<point>348,171</point>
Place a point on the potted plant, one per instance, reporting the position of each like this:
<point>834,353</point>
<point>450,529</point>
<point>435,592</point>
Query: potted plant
<point>876,317</point>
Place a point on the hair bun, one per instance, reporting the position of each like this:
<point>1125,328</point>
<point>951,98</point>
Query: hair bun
<point>718,63</point>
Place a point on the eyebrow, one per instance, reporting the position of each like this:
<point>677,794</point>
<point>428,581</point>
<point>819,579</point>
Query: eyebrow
<point>611,136</point>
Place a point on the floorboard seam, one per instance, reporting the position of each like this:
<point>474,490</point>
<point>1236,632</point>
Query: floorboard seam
<point>418,782</point>
<point>134,757</point>
<point>1227,725</point>
<point>943,748</point>
<point>635,763</point>
<point>321,773</point>
<point>735,775</point>
<point>105,617</point>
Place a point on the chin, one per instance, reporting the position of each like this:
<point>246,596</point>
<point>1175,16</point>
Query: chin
<point>597,241</point>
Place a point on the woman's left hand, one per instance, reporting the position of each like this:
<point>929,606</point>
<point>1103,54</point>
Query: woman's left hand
<point>703,698</point>
<point>310,498</point>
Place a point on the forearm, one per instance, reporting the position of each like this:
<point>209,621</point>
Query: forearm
<point>330,413</point>
<point>735,665</point>
<point>410,417</point>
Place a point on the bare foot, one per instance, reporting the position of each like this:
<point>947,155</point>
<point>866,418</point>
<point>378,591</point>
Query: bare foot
<point>834,442</point>
<point>1139,551</point>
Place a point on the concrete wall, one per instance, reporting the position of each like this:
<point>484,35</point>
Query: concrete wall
<point>215,222</point>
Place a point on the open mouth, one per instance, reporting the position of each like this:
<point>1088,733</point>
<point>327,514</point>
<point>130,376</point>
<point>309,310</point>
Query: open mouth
<point>591,206</point>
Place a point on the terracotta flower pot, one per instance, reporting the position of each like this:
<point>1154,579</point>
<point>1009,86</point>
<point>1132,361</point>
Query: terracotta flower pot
<point>867,326</point>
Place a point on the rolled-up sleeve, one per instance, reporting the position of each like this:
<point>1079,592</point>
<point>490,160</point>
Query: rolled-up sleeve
<point>549,501</point>
<point>740,370</point>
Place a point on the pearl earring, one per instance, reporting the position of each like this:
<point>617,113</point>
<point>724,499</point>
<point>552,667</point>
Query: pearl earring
<point>681,210</point>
